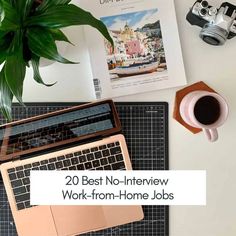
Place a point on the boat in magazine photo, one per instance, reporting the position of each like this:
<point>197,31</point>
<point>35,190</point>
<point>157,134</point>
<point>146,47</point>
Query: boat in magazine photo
<point>138,45</point>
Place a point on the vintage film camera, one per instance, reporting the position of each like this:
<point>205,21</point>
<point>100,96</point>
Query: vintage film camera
<point>217,25</point>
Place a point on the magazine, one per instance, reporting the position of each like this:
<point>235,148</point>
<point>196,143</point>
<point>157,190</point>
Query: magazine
<point>147,52</point>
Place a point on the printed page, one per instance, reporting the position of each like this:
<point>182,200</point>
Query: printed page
<point>147,53</point>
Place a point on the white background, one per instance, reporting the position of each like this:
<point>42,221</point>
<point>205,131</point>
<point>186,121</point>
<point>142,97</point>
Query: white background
<point>214,65</point>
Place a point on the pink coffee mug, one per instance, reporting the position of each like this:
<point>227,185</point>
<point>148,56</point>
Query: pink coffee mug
<point>204,110</point>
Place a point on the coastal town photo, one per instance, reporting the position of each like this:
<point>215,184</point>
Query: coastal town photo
<point>138,45</point>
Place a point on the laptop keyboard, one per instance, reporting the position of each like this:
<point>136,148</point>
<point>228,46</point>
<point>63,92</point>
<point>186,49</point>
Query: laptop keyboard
<point>105,157</point>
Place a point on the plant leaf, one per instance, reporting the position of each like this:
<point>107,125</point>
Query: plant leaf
<point>3,56</point>
<point>5,43</point>
<point>2,33</point>
<point>15,70</point>
<point>17,42</point>
<point>48,3</point>
<point>2,59</point>
<point>2,13</point>
<point>58,35</point>
<point>12,2</point>
<point>6,97</point>
<point>63,16</point>
<point>23,8</point>
<point>10,19</point>
<point>42,44</point>
<point>37,76</point>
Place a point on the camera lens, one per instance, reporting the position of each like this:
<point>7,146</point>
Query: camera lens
<point>210,40</point>
<point>204,4</point>
<point>203,12</point>
<point>213,34</point>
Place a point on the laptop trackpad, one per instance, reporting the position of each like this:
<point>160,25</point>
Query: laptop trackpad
<point>70,220</point>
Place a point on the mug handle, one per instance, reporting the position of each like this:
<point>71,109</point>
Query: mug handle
<point>212,134</point>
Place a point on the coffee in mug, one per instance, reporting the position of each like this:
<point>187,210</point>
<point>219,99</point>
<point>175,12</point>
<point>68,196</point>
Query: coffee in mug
<point>204,110</point>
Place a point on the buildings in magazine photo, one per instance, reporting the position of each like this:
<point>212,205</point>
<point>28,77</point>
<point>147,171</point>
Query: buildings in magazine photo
<point>138,45</point>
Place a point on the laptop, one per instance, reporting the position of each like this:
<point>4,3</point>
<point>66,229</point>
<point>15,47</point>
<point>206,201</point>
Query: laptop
<point>86,137</point>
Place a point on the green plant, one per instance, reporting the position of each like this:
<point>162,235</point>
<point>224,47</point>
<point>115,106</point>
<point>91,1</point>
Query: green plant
<point>28,31</point>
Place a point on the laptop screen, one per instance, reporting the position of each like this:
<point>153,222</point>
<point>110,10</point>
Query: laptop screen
<point>54,129</point>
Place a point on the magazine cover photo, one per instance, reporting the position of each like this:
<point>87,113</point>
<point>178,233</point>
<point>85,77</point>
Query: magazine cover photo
<point>138,46</point>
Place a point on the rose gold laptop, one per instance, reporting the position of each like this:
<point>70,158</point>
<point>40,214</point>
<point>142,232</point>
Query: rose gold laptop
<point>85,137</point>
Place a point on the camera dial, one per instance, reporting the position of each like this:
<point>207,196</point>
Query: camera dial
<point>203,12</point>
<point>204,4</point>
<point>212,11</point>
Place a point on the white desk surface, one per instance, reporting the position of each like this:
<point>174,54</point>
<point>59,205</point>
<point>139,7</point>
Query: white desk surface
<point>214,65</point>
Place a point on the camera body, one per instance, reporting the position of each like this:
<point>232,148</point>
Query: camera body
<point>218,24</point>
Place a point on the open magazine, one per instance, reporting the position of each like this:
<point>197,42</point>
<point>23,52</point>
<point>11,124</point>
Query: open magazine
<point>147,52</point>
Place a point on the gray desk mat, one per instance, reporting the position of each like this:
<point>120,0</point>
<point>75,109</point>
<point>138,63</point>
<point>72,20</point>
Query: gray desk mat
<point>145,126</point>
